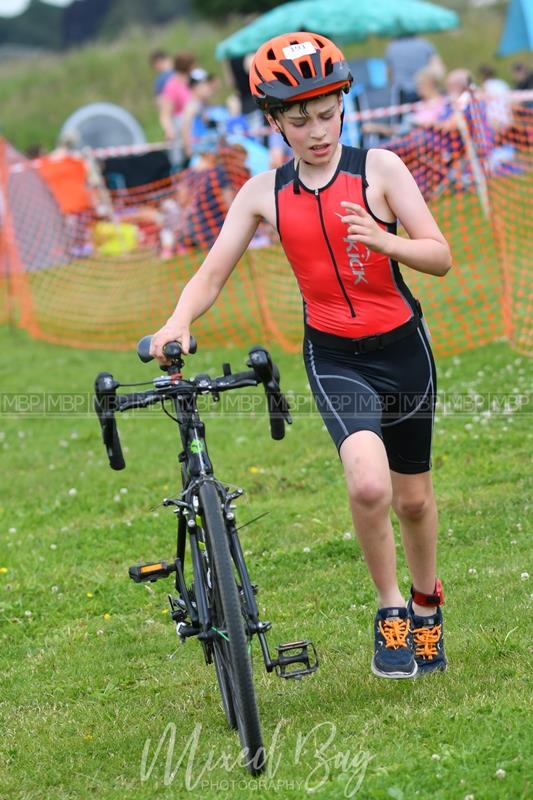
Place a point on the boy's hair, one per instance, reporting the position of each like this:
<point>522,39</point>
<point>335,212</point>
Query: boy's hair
<point>302,104</point>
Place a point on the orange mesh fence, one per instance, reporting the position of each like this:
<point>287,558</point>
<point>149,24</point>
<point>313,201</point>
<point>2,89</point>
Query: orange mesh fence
<point>76,279</point>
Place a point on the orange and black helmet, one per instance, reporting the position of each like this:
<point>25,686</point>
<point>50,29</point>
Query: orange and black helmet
<point>297,66</point>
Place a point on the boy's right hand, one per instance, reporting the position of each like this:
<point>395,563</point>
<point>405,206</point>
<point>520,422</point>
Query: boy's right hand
<point>170,332</point>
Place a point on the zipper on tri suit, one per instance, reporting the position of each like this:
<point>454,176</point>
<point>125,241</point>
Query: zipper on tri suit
<point>337,273</point>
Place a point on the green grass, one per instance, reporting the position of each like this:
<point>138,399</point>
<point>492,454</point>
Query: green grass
<point>91,666</point>
<point>38,94</point>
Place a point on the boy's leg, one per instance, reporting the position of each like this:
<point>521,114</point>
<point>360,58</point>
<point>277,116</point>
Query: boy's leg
<point>414,504</point>
<point>370,492</point>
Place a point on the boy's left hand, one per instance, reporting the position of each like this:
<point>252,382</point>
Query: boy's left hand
<point>362,227</point>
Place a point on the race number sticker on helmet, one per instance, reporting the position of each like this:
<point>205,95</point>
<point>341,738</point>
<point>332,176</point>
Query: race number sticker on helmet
<point>294,51</point>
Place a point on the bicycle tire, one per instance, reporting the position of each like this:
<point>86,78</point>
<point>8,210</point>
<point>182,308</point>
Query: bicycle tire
<point>216,656</point>
<point>231,648</point>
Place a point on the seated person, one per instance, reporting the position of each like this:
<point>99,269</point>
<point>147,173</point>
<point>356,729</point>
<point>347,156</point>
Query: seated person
<point>212,185</point>
<point>74,180</point>
<point>427,112</point>
<point>496,93</point>
<point>197,124</point>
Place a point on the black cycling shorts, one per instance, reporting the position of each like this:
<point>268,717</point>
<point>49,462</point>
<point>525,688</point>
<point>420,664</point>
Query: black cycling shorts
<point>390,391</point>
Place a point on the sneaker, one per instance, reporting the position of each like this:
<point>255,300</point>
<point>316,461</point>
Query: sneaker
<point>393,649</point>
<point>428,637</point>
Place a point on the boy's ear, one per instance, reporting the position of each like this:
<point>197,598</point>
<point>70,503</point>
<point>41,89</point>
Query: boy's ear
<point>273,123</point>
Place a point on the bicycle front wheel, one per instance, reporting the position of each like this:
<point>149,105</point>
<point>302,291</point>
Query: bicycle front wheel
<point>230,644</point>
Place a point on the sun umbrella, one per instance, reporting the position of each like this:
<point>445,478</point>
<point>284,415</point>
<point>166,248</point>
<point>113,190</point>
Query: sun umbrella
<point>342,21</point>
<point>518,32</point>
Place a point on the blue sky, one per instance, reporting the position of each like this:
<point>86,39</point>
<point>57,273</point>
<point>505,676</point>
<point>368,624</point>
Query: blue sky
<point>12,8</point>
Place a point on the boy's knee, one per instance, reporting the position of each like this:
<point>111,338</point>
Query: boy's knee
<point>370,493</point>
<point>412,507</point>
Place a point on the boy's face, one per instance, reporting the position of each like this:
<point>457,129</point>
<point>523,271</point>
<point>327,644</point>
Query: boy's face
<point>313,133</point>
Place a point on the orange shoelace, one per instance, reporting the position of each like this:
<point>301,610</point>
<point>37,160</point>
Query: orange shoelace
<point>394,631</point>
<point>426,640</point>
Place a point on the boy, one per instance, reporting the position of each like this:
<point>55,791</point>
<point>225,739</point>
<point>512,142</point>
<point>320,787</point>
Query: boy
<point>335,209</point>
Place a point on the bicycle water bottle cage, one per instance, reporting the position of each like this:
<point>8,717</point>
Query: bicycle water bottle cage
<point>291,654</point>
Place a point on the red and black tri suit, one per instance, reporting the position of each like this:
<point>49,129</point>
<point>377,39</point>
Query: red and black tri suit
<point>366,351</point>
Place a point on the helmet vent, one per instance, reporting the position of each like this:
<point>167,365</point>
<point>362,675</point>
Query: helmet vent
<point>328,67</point>
<point>282,78</point>
<point>306,69</point>
<point>271,55</point>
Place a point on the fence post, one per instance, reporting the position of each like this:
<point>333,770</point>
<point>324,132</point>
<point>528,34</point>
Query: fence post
<point>18,294</point>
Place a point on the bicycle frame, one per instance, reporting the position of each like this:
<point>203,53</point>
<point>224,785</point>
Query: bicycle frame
<point>192,614</point>
<point>197,468</point>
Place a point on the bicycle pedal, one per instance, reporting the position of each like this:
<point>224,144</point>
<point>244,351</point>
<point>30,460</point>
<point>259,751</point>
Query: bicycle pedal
<point>291,654</point>
<point>151,572</point>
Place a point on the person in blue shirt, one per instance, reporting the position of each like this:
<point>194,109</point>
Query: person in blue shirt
<point>162,63</point>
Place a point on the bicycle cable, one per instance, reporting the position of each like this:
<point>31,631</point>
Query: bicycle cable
<point>168,412</point>
<point>129,385</point>
<point>254,519</point>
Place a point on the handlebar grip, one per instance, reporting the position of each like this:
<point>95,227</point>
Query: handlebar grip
<point>105,403</point>
<point>113,447</point>
<point>171,349</point>
<point>278,411</point>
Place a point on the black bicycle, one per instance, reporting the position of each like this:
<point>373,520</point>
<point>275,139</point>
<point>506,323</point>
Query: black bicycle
<point>215,599</point>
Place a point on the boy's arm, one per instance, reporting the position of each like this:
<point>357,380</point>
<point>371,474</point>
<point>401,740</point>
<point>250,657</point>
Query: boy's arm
<point>426,250</point>
<point>165,116</point>
<point>204,287</point>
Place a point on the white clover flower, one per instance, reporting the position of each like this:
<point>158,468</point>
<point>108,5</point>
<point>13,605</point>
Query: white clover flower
<point>435,757</point>
<point>53,547</point>
<point>12,530</point>
<point>307,549</point>
<point>117,498</point>
<point>123,490</point>
<point>500,774</point>
<point>524,576</point>
<point>472,571</point>
<point>73,492</point>
<point>28,614</point>
<point>63,443</point>
<point>347,535</point>
<point>54,589</point>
